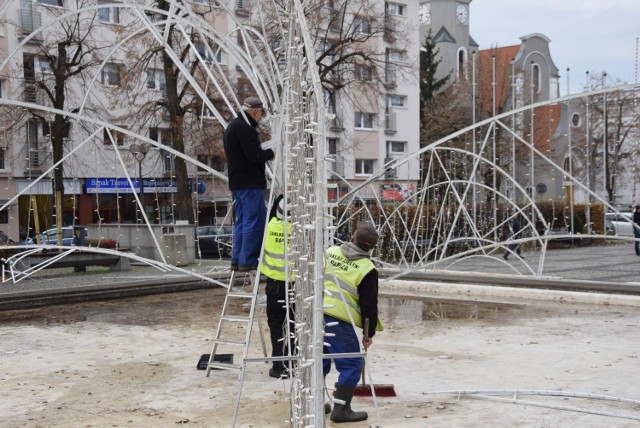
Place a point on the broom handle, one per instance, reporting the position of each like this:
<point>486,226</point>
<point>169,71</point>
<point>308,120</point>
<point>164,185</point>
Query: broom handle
<point>366,337</point>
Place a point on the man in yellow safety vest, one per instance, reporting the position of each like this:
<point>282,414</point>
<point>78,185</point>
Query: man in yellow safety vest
<point>351,296</point>
<point>275,269</point>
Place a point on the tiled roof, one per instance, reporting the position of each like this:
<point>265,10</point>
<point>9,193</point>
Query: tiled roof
<point>546,123</point>
<point>503,56</point>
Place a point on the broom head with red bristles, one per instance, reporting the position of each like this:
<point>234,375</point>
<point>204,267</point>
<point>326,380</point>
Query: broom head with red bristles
<point>380,390</point>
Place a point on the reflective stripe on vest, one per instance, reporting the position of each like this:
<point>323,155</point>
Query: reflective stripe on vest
<point>273,260</point>
<point>343,276</point>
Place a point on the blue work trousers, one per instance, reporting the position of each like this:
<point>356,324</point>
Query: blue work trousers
<point>345,340</point>
<point>251,214</point>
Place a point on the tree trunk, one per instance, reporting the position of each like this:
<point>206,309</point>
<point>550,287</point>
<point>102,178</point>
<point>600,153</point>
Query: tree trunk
<point>183,208</point>
<point>58,131</point>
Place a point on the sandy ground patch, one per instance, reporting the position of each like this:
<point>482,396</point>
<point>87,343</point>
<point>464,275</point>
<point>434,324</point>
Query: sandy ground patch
<point>132,363</point>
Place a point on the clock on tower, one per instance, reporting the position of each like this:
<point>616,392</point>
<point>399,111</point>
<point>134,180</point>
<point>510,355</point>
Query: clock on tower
<point>462,13</point>
<point>425,13</point>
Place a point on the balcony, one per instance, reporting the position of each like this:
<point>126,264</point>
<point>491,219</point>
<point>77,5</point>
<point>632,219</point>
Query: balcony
<point>31,94</point>
<point>37,162</point>
<point>336,165</point>
<point>390,123</point>
<point>335,124</point>
<point>334,18</point>
<point>390,76</point>
<point>29,22</point>
<point>389,29</point>
<point>243,8</point>
<point>390,174</point>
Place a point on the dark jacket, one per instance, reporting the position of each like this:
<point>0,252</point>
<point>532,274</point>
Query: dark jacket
<point>368,298</point>
<point>246,159</point>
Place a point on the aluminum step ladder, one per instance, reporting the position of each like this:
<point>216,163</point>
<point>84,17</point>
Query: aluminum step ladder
<point>239,299</point>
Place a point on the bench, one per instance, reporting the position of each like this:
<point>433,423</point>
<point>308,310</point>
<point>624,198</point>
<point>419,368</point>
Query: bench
<point>78,260</point>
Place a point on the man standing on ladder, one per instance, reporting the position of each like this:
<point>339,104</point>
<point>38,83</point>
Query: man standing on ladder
<point>275,269</point>
<point>351,293</point>
<point>246,160</point>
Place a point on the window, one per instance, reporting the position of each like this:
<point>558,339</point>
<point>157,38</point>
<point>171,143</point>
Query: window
<point>362,73</point>
<point>51,2</point>
<point>364,166</point>
<point>167,160</point>
<point>43,65</point>
<point>332,146</point>
<point>201,47</point>
<point>118,138</point>
<point>29,68</point>
<point>324,47</point>
<point>163,136</point>
<point>329,100</point>
<point>396,9</point>
<point>32,143</point>
<point>395,55</point>
<point>462,64</point>
<point>3,159</point>
<point>46,128</point>
<point>397,101</point>
<point>576,120</point>
<point>395,146</point>
<point>363,120</point>
<point>156,79</point>
<point>202,159</point>
<point>1,88</point>
<point>111,74</point>
<point>535,78</point>
<point>160,135</point>
<point>361,25</point>
<point>108,14</point>
<point>336,163</point>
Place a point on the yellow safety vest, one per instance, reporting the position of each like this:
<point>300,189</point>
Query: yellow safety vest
<point>273,261</point>
<point>348,274</point>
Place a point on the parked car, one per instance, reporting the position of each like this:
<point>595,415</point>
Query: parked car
<point>50,236</point>
<point>215,241</point>
<point>620,224</point>
<point>5,240</point>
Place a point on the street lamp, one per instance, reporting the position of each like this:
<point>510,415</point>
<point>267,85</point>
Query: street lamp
<point>139,152</point>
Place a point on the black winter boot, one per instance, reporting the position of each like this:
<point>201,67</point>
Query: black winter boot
<point>343,412</point>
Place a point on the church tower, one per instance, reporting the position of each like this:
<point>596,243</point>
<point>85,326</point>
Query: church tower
<point>448,21</point>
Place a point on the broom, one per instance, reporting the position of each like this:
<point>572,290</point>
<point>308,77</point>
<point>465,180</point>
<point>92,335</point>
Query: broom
<point>364,390</point>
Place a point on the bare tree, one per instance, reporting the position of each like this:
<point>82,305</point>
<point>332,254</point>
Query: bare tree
<point>193,130</point>
<point>352,64</point>
<point>610,134</point>
<point>66,55</point>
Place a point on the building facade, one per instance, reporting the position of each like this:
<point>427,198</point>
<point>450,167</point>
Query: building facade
<point>106,166</point>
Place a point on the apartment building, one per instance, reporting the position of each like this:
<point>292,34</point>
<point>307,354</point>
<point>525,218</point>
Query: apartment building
<point>374,124</point>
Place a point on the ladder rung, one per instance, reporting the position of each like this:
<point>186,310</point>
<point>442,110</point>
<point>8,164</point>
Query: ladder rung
<point>234,318</point>
<point>225,366</point>
<point>229,341</point>
<point>239,294</point>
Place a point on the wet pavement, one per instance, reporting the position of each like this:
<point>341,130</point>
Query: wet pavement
<point>457,355</point>
<point>614,263</point>
<point>132,363</point>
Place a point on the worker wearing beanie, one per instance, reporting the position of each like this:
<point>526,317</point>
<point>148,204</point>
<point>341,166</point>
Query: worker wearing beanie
<point>351,293</point>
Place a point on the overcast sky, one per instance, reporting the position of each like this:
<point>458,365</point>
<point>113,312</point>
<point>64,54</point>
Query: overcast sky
<point>586,35</point>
